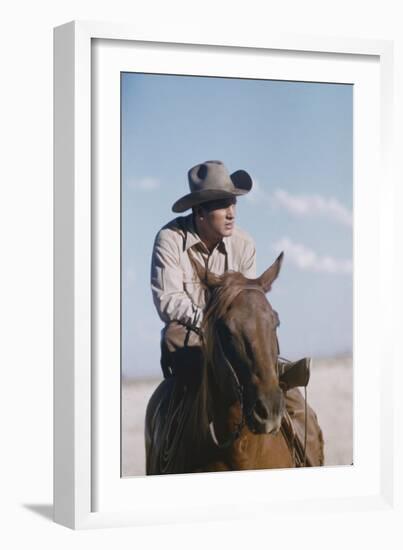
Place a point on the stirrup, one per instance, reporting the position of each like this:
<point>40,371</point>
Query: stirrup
<point>294,374</point>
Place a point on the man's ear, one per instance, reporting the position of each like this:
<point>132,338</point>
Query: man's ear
<point>198,211</point>
<point>270,275</point>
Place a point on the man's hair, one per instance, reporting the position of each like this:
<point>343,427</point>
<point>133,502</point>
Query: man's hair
<point>195,209</point>
<point>211,205</point>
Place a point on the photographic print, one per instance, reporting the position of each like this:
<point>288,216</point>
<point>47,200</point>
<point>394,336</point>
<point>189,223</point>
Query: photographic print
<point>236,274</point>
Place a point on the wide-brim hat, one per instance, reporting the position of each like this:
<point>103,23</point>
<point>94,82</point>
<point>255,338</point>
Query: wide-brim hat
<point>211,181</point>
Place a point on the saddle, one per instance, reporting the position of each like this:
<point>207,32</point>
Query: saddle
<point>301,430</point>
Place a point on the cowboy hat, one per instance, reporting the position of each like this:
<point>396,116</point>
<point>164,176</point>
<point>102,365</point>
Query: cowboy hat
<point>211,181</point>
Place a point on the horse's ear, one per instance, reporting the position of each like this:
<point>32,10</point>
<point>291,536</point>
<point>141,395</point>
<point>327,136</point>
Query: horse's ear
<point>206,277</point>
<point>266,279</point>
<point>213,280</point>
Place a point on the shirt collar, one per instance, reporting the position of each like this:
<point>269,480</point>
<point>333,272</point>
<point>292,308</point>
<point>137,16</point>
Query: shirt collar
<point>192,238</point>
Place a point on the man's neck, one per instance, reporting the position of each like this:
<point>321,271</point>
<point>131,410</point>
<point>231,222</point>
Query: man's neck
<point>209,242</point>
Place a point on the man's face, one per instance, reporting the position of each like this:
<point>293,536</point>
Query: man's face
<point>219,217</point>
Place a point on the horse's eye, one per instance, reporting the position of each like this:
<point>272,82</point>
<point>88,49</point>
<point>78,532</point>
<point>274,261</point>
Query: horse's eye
<point>225,332</point>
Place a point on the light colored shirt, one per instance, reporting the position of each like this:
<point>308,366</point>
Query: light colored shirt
<point>177,291</point>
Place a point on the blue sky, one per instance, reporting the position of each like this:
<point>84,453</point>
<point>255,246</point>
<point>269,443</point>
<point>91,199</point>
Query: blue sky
<point>295,139</point>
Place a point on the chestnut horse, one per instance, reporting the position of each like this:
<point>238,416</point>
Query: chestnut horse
<point>232,415</point>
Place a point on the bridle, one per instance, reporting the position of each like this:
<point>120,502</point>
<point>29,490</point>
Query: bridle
<point>239,388</point>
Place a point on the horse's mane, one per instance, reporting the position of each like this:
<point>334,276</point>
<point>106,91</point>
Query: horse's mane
<point>222,295</point>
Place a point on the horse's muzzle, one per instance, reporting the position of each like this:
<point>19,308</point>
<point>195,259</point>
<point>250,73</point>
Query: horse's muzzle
<point>268,413</point>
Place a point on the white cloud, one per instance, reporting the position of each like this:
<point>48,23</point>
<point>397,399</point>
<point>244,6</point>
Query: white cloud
<point>308,205</point>
<point>307,259</point>
<point>145,184</point>
<point>302,205</point>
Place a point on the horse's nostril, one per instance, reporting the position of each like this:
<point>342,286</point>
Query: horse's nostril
<point>261,410</point>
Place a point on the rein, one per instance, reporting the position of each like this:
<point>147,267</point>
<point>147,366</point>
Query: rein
<point>239,389</point>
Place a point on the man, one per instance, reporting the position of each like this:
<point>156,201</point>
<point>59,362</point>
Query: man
<point>209,236</point>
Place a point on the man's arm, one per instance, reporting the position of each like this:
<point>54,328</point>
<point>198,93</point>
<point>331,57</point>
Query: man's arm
<point>170,299</point>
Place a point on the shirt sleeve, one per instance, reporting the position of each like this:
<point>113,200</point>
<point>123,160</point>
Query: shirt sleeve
<point>248,268</point>
<point>170,299</point>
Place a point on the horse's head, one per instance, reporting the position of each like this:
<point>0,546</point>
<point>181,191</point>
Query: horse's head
<point>242,343</point>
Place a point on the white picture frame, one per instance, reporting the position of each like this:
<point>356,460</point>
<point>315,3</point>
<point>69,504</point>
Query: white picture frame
<point>87,491</point>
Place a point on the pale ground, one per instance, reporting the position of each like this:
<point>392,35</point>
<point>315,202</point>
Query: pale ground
<point>330,393</point>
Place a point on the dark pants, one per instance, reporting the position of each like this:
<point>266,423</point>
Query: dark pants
<point>181,352</point>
